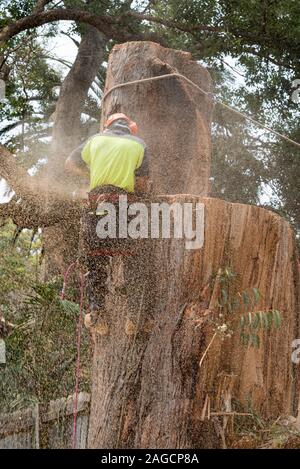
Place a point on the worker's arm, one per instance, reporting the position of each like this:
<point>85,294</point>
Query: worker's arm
<point>75,164</point>
<point>143,183</point>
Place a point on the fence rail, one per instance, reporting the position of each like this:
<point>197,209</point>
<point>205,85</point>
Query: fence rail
<point>51,427</point>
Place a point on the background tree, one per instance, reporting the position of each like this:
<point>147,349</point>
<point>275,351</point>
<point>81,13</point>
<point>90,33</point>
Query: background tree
<point>255,42</point>
<point>260,37</point>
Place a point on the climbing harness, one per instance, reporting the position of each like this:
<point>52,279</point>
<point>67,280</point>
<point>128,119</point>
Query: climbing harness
<point>110,253</point>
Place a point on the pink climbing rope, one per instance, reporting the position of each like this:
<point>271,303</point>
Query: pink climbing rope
<point>79,328</point>
<point>78,343</point>
<point>66,278</point>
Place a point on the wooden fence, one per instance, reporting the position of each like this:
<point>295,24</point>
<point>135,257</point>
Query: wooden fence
<point>46,428</point>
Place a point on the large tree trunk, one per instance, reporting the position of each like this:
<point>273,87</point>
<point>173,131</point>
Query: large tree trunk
<point>67,131</point>
<point>148,389</point>
<point>61,240</point>
<point>173,117</point>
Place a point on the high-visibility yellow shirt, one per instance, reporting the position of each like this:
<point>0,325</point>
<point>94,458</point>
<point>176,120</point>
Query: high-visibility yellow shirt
<point>113,160</point>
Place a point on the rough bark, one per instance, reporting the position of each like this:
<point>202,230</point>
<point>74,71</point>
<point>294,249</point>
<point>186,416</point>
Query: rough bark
<point>148,390</point>
<point>173,118</point>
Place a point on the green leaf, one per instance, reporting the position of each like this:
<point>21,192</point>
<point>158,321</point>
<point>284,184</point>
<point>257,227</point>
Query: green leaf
<point>246,298</point>
<point>264,320</point>
<point>235,304</point>
<point>255,340</point>
<point>243,321</point>
<point>256,294</point>
<point>277,318</point>
<point>245,338</point>
<point>69,306</point>
<point>256,321</point>
<point>224,295</point>
<point>250,319</point>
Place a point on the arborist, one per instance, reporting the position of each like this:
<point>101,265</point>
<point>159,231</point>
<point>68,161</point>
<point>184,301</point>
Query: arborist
<point>116,163</point>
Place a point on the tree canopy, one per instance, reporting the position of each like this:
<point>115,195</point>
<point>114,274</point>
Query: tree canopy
<point>251,49</point>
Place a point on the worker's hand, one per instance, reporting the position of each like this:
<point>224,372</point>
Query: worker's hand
<point>143,185</point>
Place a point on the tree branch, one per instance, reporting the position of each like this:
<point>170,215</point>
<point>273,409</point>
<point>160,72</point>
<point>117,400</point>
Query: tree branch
<point>15,176</point>
<point>55,59</point>
<point>280,63</point>
<point>173,24</point>
<point>32,211</point>
<point>106,24</point>
<point>77,43</point>
<point>44,17</point>
<point>114,29</point>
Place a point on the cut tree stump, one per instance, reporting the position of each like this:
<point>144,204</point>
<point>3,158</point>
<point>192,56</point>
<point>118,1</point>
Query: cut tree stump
<point>148,390</point>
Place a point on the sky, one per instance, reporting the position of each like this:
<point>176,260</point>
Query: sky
<point>64,47</point>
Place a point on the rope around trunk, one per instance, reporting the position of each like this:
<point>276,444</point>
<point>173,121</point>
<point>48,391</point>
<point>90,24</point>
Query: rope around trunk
<point>207,93</point>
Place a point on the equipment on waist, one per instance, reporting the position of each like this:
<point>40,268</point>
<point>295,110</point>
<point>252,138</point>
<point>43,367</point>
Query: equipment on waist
<point>108,194</point>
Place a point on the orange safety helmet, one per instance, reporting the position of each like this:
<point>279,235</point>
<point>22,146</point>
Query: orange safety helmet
<point>114,117</point>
